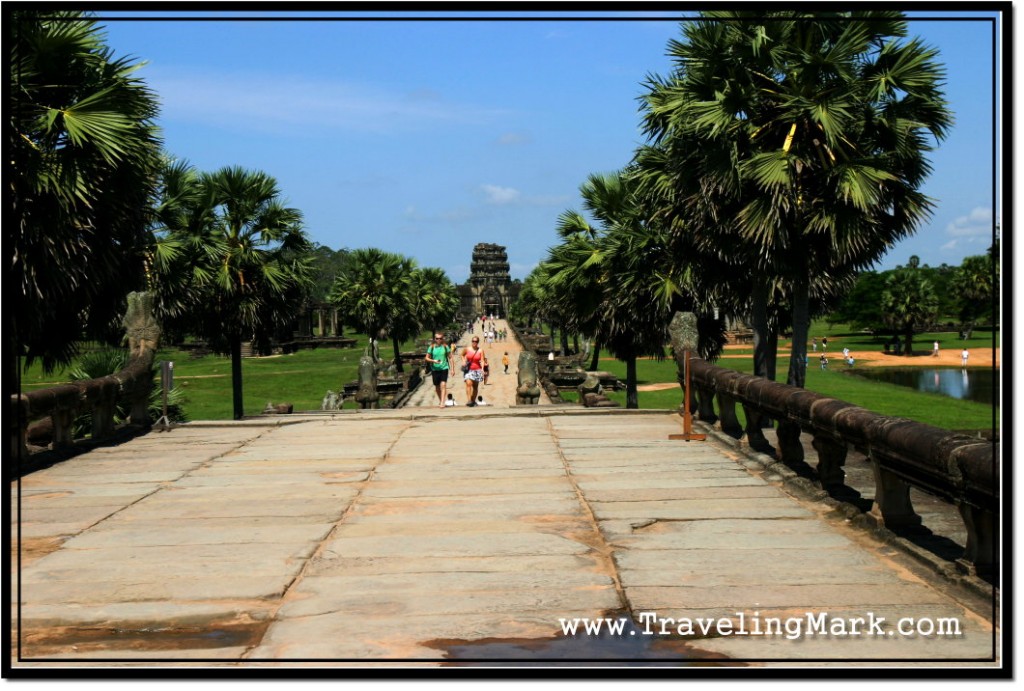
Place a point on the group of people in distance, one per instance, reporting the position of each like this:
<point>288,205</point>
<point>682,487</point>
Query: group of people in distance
<point>475,368</point>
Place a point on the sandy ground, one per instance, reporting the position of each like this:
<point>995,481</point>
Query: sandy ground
<point>948,357</point>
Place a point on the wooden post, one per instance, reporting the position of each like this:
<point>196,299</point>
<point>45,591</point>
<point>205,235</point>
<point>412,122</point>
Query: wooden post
<point>687,434</point>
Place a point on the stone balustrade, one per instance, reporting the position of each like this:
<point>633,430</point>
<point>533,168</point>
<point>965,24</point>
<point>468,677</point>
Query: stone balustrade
<point>63,403</point>
<point>960,469</point>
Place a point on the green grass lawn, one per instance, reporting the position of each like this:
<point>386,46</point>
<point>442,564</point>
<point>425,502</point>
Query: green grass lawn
<point>300,378</point>
<point>887,399</point>
<point>304,377</point>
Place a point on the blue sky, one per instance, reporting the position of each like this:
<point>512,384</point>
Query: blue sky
<point>426,137</point>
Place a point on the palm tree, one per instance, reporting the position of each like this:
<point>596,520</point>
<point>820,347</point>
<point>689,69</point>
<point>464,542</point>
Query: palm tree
<point>83,150</point>
<point>574,272</point>
<point>975,282</point>
<point>809,133</point>
<point>909,301</point>
<point>616,282</point>
<point>231,260</point>
<point>373,292</point>
<point>531,305</point>
<point>435,298</point>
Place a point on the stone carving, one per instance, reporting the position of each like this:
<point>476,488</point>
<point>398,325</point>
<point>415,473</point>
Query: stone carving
<point>142,327</point>
<point>367,396</point>
<point>592,393</point>
<point>332,401</point>
<point>683,331</point>
<point>528,391</point>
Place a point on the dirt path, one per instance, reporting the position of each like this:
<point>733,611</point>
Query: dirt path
<point>948,357</point>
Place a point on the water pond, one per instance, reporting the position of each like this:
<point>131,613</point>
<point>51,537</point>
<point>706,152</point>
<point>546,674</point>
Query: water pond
<point>973,384</point>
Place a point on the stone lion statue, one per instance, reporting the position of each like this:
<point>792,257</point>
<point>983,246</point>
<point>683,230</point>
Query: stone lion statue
<point>367,396</point>
<point>528,391</point>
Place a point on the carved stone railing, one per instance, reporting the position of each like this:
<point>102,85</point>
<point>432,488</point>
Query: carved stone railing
<point>63,403</point>
<point>960,469</point>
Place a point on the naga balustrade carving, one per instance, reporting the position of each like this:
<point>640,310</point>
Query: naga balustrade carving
<point>960,469</point>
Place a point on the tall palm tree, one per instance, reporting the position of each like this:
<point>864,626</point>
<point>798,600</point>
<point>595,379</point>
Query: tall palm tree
<point>976,281</point>
<point>231,259</point>
<point>83,149</point>
<point>435,298</point>
<point>909,302</point>
<point>818,126</point>
<point>616,282</point>
<point>373,292</point>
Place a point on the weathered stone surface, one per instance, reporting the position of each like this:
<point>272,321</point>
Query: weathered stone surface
<point>363,539</point>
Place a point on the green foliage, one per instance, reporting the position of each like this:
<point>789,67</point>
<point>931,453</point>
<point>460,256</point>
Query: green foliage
<point>326,265</point>
<point>861,307</point>
<point>83,148</point>
<point>386,295</point>
<point>229,261</point>
<point>909,302</point>
<point>794,150</point>
<point>105,361</point>
<point>976,281</point>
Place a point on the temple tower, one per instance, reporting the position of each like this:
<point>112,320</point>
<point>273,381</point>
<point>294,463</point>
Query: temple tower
<point>490,289</point>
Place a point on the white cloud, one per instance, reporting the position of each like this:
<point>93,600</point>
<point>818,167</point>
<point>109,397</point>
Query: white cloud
<point>500,195</point>
<point>513,139</point>
<point>978,222</point>
<point>299,105</point>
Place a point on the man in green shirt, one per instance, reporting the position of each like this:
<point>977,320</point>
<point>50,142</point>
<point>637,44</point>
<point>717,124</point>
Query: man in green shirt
<point>439,357</point>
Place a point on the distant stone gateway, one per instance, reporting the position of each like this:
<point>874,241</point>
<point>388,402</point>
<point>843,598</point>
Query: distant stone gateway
<point>490,289</point>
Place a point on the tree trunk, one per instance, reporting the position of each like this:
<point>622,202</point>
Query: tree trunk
<point>801,325</point>
<point>565,341</point>
<point>909,339</point>
<point>236,376</point>
<point>772,356</point>
<point>632,399</point>
<point>595,357</point>
<point>759,324</point>
<point>398,355</point>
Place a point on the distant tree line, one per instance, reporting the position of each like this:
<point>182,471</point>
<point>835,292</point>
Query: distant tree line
<point>914,298</point>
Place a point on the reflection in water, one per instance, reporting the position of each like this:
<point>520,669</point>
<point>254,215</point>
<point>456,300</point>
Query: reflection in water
<point>981,385</point>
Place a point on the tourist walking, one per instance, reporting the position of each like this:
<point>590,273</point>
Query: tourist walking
<point>504,361</point>
<point>439,357</point>
<point>935,349</point>
<point>475,359</point>
<point>963,357</point>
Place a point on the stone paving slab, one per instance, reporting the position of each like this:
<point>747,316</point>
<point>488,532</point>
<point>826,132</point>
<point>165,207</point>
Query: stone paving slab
<point>721,568</point>
<point>391,535</point>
